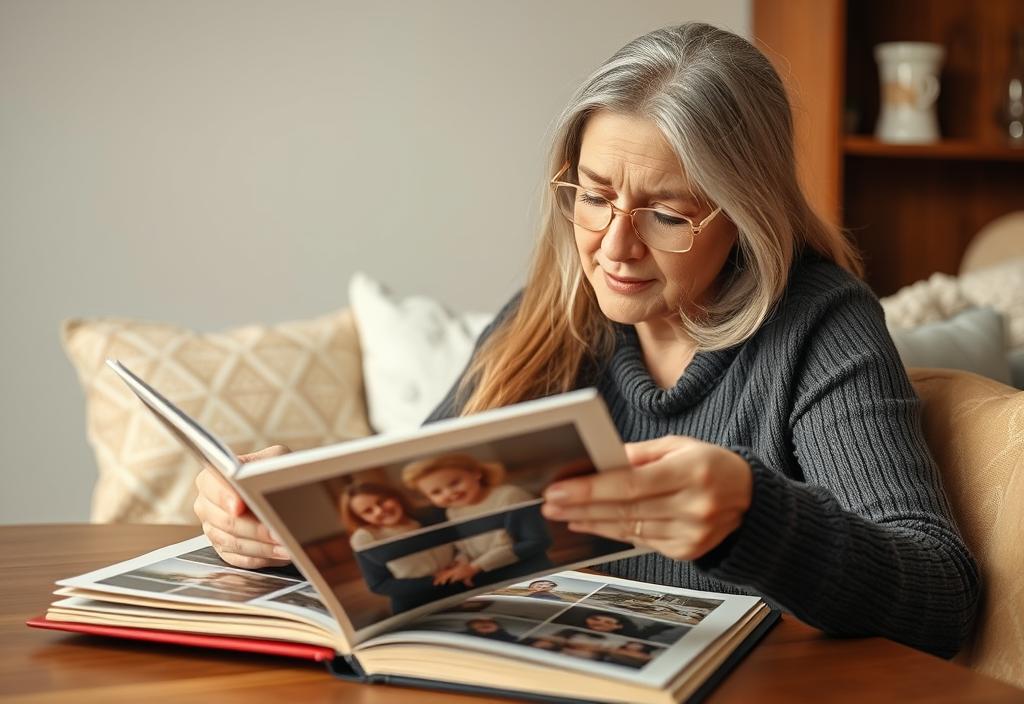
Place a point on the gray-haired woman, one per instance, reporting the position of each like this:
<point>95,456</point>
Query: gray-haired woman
<point>775,439</point>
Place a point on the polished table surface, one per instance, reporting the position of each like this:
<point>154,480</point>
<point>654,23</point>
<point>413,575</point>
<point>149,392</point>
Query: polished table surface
<point>793,663</point>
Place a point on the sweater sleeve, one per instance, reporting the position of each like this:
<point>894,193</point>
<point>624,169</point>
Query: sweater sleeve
<point>863,543</point>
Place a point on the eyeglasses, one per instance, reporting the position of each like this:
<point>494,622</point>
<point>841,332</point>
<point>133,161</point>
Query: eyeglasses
<point>659,228</point>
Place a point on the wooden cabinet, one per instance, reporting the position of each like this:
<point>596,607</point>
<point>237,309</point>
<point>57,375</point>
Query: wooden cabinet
<point>911,209</point>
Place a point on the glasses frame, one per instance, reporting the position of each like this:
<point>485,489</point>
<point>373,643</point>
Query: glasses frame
<point>695,229</point>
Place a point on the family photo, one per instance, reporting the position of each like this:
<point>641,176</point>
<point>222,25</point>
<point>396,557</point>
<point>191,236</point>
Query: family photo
<point>580,618</point>
<point>391,538</point>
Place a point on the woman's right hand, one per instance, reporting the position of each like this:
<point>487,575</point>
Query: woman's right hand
<point>237,535</point>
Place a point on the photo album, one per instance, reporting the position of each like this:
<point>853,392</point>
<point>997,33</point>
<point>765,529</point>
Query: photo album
<point>423,559</point>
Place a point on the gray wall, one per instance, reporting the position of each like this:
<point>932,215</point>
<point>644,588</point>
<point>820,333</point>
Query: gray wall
<point>218,162</point>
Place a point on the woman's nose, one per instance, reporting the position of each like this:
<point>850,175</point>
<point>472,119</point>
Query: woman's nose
<point>620,242</point>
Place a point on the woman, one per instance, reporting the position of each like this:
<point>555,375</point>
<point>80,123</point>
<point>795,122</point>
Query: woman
<point>775,439</point>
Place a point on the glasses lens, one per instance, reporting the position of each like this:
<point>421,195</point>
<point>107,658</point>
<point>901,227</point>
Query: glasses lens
<point>664,231</point>
<point>589,211</point>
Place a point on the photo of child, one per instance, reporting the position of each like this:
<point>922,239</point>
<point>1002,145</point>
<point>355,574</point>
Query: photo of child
<point>466,487</point>
<point>390,537</point>
<point>372,512</point>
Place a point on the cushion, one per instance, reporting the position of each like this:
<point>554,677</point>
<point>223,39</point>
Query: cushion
<point>942,296</point>
<point>298,384</point>
<point>975,429</point>
<point>973,340</point>
<point>413,352</point>
<point>929,301</point>
<point>1001,288</point>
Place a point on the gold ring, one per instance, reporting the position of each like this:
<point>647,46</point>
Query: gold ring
<point>638,526</point>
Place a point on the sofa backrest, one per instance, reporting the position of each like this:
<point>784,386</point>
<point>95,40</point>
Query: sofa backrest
<point>975,429</point>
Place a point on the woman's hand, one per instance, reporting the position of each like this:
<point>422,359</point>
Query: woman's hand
<point>681,497</point>
<point>237,535</point>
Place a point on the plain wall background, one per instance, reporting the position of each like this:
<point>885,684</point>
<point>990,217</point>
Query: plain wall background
<point>218,162</point>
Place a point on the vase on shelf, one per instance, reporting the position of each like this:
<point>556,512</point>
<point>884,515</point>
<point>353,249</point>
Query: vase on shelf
<point>909,79</point>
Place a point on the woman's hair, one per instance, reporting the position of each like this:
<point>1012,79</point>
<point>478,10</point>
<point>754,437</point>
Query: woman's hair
<point>724,111</point>
<point>350,519</point>
<point>491,473</point>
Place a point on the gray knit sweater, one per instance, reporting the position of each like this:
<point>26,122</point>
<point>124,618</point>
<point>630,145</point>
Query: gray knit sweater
<point>848,527</point>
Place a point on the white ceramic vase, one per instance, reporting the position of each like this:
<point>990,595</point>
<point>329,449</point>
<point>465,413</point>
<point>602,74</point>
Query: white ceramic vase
<point>909,78</point>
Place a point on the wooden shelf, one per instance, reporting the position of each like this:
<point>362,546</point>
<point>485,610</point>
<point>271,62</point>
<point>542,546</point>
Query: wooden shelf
<point>864,146</point>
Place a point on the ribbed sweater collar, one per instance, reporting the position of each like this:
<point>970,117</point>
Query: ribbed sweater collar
<point>629,373</point>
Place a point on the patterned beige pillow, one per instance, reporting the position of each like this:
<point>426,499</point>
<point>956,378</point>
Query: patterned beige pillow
<point>298,383</point>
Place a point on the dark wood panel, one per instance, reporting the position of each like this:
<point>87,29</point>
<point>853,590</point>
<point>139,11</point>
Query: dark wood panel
<point>913,217</point>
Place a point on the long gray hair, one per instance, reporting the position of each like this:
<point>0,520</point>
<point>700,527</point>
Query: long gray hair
<point>723,109</point>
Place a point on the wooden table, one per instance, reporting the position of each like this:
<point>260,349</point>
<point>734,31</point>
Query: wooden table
<point>793,663</point>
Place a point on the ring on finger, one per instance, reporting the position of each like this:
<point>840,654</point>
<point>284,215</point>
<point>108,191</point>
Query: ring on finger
<point>638,527</point>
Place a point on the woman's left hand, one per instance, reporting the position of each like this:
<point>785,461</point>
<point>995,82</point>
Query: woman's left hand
<point>681,497</point>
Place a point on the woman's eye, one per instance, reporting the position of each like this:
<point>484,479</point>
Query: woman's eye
<point>669,220</point>
<point>591,198</point>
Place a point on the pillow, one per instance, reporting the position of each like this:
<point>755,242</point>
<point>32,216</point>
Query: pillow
<point>413,352</point>
<point>297,383</point>
<point>941,296</point>
<point>974,341</point>
<point>934,299</point>
<point>1001,288</point>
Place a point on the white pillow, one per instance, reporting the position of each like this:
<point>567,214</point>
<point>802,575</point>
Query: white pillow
<point>974,340</point>
<point>413,351</point>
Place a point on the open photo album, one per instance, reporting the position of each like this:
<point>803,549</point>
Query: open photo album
<point>423,558</point>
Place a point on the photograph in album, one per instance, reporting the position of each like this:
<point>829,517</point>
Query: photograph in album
<point>400,535</point>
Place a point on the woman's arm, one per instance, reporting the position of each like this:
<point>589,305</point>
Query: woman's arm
<point>862,543</point>
<point>866,544</point>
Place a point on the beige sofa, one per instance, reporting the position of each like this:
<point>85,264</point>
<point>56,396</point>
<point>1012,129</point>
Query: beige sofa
<point>975,429</point>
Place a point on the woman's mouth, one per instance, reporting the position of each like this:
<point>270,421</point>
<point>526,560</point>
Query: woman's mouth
<point>625,284</point>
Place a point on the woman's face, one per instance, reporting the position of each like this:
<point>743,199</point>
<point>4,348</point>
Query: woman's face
<point>377,510</point>
<point>627,160</point>
<point>602,623</point>
<point>451,487</point>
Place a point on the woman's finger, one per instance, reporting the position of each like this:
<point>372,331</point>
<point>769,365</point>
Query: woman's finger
<point>649,450</point>
<point>217,490</point>
<point>244,526</point>
<point>248,562</point>
<point>630,484</point>
<point>664,507</point>
<point>640,530</point>
<point>272,451</point>
<point>231,543</point>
